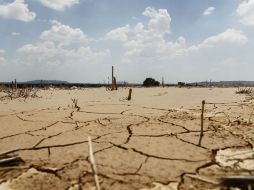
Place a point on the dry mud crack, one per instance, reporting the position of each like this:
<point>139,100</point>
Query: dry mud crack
<point>136,146</point>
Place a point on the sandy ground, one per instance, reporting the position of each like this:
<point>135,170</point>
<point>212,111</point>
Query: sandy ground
<point>150,142</point>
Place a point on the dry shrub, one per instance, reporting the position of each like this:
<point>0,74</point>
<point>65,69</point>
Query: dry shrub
<point>75,103</point>
<point>244,91</point>
<point>2,88</point>
<point>19,93</point>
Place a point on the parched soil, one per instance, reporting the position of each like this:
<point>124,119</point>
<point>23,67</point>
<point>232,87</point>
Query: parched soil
<point>150,142</point>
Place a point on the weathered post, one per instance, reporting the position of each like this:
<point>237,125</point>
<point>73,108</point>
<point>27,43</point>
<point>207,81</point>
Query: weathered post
<point>162,82</point>
<point>112,87</point>
<point>115,86</point>
<point>15,84</point>
<point>129,96</point>
<point>202,123</point>
<point>12,85</point>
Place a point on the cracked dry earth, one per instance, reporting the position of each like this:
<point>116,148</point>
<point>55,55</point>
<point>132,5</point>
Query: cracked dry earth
<point>148,143</point>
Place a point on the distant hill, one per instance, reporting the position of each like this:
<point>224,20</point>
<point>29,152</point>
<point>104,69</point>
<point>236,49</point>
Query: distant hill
<point>46,82</point>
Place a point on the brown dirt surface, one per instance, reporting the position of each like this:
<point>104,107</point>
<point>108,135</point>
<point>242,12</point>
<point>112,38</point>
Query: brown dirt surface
<point>148,143</point>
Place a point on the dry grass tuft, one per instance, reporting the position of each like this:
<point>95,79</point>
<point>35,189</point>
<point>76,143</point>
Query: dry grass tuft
<point>75,103</point>
<point>244,91</point>
<point>18,93</point>
<point>3,88</point>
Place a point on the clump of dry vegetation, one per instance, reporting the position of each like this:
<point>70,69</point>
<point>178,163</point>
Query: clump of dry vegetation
<point>17,93</point>
<point>244,91</point>
<point>75,103</point>
<point>2,88</point>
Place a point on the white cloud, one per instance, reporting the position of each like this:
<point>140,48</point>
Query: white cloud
<point>178,60</point>
<point>230,36</point>
<point>158,27</point>
<point>118,33</point>
<point>61,44</point>
<point>245,7</point>
<point>218,48</point>
<point>146,46</point>
<point>159,20</point>
<point>15,33</point>
<point>48,52</point>
<point>17,10</point>
<point>64,34</point>
<point>148,42</point>
<point>59,5</point>
<point>2,59</point>
<point>208,11</point>
<point>245,12</point>
<point>39,48</point>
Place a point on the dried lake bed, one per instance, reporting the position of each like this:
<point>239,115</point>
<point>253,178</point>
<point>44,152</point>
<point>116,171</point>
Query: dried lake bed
<point>148,143</point>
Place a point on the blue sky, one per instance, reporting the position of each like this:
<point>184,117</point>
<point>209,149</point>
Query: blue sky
<point>79,40</point>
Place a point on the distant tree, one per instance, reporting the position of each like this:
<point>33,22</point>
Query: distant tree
<point>180,84</point>
<point>150,82</point>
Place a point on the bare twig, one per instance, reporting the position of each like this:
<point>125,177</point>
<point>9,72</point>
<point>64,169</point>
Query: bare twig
<point>93,165</point>
<point>203,179</point>
<point>9,161</point>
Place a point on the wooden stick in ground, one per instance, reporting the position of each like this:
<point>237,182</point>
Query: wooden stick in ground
<point>112,87</point>
<point>115,86</point>
<point>93,165</point>
<point>202,123</point>
<point>15,83</point>
<point>129,96</point>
